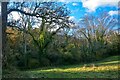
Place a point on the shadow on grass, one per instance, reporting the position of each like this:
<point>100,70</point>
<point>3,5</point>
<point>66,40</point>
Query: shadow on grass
<point>80,65</point>
<point>75,74</point>
<point>103,69</point>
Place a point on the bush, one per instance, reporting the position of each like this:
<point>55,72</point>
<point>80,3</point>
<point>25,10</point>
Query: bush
<point>33,63</point>
<point>44,62</point>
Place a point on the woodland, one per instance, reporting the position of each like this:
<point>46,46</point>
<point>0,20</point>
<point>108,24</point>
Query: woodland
<point>45,40</point>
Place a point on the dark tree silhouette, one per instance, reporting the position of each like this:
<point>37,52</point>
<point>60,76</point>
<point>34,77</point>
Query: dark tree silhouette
<point>49,15</point>
<point>4,24</point>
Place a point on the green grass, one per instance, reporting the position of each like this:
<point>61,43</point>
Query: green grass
<point>107,68</point>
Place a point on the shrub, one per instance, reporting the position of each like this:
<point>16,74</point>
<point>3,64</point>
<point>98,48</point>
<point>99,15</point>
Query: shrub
<point>33,63</point>
<point>44,62</point>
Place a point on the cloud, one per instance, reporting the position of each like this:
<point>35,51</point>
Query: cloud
<point>75,21</point>
<point>92,5</point>
<point>27,10</point>
<point>74,4</point>
<point>68,0</point>
<point>0,8</point>
<point>72,18</point>
<point>113,13</point>
<point>16,16</point>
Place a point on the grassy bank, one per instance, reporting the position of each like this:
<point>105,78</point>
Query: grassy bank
<point>107,68</point>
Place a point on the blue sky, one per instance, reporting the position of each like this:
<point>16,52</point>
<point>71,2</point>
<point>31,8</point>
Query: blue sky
<point>94,7</point>
<point>81,8</point>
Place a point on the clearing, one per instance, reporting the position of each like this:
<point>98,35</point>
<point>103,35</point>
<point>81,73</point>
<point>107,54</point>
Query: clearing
<point>107,68</point>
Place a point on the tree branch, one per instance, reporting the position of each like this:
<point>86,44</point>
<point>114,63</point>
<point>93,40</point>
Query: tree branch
<point>23,12</point>
<point>36,42</point>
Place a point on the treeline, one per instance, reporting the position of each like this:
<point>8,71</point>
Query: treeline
<point>63,50</point>
<point>44,35</point>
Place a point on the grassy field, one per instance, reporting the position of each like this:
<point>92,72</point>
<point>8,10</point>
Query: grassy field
<point>107,68</point>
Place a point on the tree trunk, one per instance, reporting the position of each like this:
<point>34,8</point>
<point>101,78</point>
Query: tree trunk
<point>4,24</point>
<point>24,46</point>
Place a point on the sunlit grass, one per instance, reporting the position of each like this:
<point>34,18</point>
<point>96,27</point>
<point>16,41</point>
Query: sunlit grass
<point>107,68</point>
<point>110,62</point>
<point>80,72</point>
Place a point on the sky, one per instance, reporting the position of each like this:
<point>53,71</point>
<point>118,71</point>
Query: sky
<point>95,7</point>
<point>79,8</point>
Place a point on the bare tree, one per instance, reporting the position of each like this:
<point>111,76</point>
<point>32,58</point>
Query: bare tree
<point>96,29</point>
<point>48,16</point>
